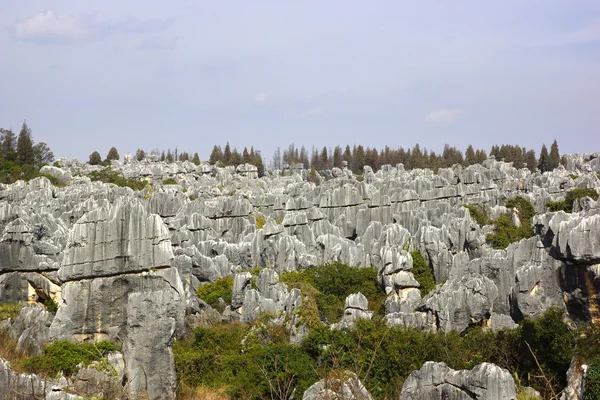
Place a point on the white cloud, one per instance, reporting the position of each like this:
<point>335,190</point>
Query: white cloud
<point>49,24</point>
<point>443,116</point>
<point>261,97</point>
<point>52,27</point>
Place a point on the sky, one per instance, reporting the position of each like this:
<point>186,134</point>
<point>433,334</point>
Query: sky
<point>191,74</point>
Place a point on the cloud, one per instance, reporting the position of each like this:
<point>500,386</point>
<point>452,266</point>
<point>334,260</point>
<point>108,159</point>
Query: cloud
<point>52,27</point>
<point>443,116</point>
<point>261,97</point>
<point>49,24</point>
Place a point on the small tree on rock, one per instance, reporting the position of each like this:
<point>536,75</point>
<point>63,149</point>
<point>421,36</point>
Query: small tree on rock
<point>95,158</point>
<point>25,153</point>
<point>113,154</point>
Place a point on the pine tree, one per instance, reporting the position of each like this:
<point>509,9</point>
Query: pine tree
<point>530,161</point>
<point>169,157</point>
<point>25,153</point>
<point>8,145</point>
<point>246,156</point>
<point>554,156</point>
<point>140,154</point>
<point>95,158</point>
<point>337,157</point>
<point>196,159</point>
<point>227,155</point>
<point>216,155</point>
<point>113,154</point>
<point>470,158</point>
<point>543,161</point>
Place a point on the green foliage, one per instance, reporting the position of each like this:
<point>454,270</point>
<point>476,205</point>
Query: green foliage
<point>9,310</point>
<point>422,273</point>
<point>592,382</point>
<point>505,231</point>
<point>216,357</point>
<point>108,175</point>
<point>169,181</point>
<point>113,154</point>
<point>260,222</point>
<point>477,213</point>
<point>95,158</point>
<point>572,195</point>
<point>65,356</point>
<point>11,171</point>
<point>51,305</point>
<point>212,291</point>
<point>328,286</point>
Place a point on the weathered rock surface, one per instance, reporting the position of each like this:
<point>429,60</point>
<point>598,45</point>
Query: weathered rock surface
<point>438,381</point>
<point>348,387</point>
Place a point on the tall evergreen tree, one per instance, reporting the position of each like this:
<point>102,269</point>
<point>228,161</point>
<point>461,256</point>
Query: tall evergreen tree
<point>196,159</point>
<point>470,158</point>
<point>543,161</point>
<point>554,156</point>
<point>169,157</point>
<point>95,158</point>
<point>246,156</point>
<point>216,155</point>
<point>25,153</point>
<point>530,160</point>
<point>8,145</point>
<point>140,154</point>
<point>113,154</point>
<point>227,155</point>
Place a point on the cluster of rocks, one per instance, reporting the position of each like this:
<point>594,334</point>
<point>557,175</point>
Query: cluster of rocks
<point>124,265</point>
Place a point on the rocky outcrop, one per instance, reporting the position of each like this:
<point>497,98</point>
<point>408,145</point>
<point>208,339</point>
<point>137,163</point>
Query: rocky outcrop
<point>346,387</point>
<point>435,380</point>
<point>18,386</point>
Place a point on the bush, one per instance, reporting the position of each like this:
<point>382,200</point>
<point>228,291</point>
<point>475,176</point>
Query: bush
<point>260,222</point>
<point>51,305</point>
<point>211,292</point>
<point>592,382</point>
<point>65,356</point>
<point>10,310</point>
<point>477,213</point>
<point>505,231</point>
<point>169,181</point>
<point>572,195</point>
<point>422,273</point>
<point>107,175</point>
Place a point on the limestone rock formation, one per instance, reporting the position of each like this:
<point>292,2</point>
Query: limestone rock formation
<point>435,380</point>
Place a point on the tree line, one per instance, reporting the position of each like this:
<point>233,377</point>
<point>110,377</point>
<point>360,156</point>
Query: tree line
<point>228,156</point>
<point>20,156</point>
<point>358,156</point>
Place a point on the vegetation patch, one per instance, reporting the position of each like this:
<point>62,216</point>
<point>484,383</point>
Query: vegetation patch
<point>169,181</point>
<point>10,310</point>
<point>260,222</point>
<point>422,273</point>
<point>327,287</point>
<point>65,356</point>
<point>478,213</point>
<point>108,175</point>
<point>212,291</point>
<point>572,195</point>
<point>505,231</point>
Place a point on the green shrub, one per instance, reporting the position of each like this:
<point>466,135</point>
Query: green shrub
<point>51,305</point>
<point>169,181</point>
<point>107,175</point>
<point>422,273</point>
<point>260,222</point>
<point>572,195</point>
<point>330,284</point>
<point>477,213</point>
<point>592,382</point>
<point>65,356</point>
<point>10,310</point>
<point>212,291</point>
<point>505,231</point>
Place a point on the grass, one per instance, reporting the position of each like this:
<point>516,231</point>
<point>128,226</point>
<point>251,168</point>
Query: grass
<point>10,310</point>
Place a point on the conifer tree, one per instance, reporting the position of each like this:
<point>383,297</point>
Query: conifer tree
<point>543,161</point>
<point>95,158</point>
<point>196,159</point>
<point>8,145</point>
<point>216,155</point>
<point>25,153</point>
<point>113,154</point>
<point>554,156</point>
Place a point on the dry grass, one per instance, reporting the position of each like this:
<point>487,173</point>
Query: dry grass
<point>8,351</point>
<point>201,393</point>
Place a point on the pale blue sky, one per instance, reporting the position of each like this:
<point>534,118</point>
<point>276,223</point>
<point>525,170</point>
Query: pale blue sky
<point>191,74</point>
